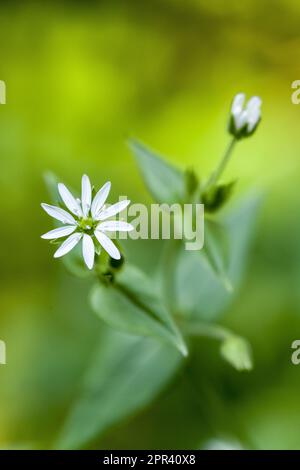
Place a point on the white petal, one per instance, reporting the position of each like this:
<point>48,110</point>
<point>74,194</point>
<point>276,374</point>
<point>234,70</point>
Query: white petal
<point>253,118</point>
<point>88,250</point>
<point>254,103</point>
<point>59,214</point>
<point>107,244</point>
<point>237,104</point>
<point>113,210</point>
<point>68,245</point>
<point>115,226</point>
<point>86,195</point>
<point>100,199</point>
<point>254,112</point>
<point>69,200</point>
<point>59,232</point>
<point>241,120</point>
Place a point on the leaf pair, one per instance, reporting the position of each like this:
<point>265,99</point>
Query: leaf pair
<point>168,184</point>
<point>200,285</point>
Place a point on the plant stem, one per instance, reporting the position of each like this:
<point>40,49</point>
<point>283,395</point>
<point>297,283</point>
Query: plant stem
<point>222,165</point>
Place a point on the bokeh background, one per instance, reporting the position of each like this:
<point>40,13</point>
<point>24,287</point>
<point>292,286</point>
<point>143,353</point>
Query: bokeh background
<point>81,78</point>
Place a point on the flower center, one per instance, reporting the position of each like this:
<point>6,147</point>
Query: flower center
<point>87,225</point>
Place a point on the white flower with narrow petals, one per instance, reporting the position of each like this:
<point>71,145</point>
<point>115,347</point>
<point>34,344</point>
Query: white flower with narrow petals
<point>86,221</point>
<point>244,118</point>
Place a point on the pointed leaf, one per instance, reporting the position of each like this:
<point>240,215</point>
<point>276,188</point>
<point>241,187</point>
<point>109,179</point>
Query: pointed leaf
<point>131,304</point>
<point>165,182</point>
<point>215,250</point>
<point>237,351</point>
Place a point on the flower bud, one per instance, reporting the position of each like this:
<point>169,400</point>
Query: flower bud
<point>244,119</point>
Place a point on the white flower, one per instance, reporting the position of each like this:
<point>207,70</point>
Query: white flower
<point>86,221</point>
<point>244,119</point>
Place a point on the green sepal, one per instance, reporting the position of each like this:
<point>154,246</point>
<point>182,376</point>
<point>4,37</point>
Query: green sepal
<point>215,197</point>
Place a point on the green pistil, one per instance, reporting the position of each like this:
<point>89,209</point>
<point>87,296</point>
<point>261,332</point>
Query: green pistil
<point>87,225</point>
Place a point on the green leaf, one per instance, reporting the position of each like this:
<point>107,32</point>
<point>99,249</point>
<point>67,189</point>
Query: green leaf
<point>237,351</point>
<point>198,291</point>
<point>165,182</point>
<point>215,250</point>
<point>132,304</point>
<point>217,196</point>
<point>126,374</point>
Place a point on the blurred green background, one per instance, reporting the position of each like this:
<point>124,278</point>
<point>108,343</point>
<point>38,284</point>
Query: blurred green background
<point>81,78</point>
